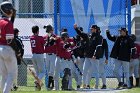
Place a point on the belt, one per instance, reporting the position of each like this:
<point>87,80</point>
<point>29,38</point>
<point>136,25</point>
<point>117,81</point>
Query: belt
<point>37,53</point>
<point>65,59</point>
<point>50,53</point>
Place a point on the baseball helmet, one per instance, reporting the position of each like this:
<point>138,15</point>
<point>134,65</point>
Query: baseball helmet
<point>80,28</point>
<point>64,29</point>
<point>6,7</point>
<point>64,34</point>
<point>133,37</point>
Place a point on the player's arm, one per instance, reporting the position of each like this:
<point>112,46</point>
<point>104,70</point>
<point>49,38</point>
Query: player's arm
<point>13,16</point>
<point>52,40</point>
<point>111,37</point>
<point>80,33</point>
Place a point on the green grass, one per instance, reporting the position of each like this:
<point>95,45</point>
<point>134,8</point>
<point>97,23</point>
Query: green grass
<point>30,87</point>
<point>45,92</point>
<point>133,90</point>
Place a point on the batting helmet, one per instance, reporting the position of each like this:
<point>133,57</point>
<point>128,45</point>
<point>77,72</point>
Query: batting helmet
<point>64,29</point>
<point>6,8</point>
<point>80,28</point>
<point>64,34</point>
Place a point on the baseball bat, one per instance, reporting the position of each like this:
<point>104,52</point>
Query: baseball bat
<point>78,69</point>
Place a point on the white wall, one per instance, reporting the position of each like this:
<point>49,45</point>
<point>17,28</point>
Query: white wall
<point>24,25</point>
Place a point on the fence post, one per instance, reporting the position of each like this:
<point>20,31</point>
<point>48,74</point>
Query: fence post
<point>129,15</point>
<point>22,75</point>
<point>55,16</point>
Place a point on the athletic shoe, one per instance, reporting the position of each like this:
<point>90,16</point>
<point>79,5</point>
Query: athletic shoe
<point>78,87</point>
<point>88,87</point>
<point>37,86</point>
<point>103,87</point>
<point>120,85</point>
<point>96,87</point>
<point>84,86</point>
<point>14,88</point>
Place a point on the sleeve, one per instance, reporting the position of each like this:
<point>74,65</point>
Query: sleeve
<point>111,37</point>
<point>99,46</point>
<point>105,44</point>
<point>82,34</point>
<point>20,45</point>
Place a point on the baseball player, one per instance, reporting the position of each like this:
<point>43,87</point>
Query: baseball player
<point>37,46</point>
<point>92,55</point>
<point>50,50</point>
<point>102,62</point>
<point>78,53</point>
<point>8,62</point>
<point>122,50</point>
<point>21,46</point>
<point>64,58</point>
<point>134,63</point>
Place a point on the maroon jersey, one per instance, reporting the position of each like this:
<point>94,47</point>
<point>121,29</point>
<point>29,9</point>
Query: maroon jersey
<point>137,53</point>
<point>48,47</point>
<point>37,44</point>
<point>61,51</point>
<point>6,31</point>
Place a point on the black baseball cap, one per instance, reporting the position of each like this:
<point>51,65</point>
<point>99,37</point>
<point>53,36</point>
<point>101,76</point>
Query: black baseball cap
<point>123,29</point>
<point>48,28</point>
<point>16,30</point>
<point>94,26</point>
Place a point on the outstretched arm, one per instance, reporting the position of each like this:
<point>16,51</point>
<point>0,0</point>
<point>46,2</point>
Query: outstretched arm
<point>111,37</point>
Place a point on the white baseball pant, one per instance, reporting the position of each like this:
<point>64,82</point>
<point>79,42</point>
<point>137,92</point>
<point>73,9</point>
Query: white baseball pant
<point>76,74</point>
<point>39,65</point>
<point>134,67</point>
<point>8,67</point>
<point>102,70</point>
<point>50,64</point>
<point>125,68</point>
<point>91,66</point>
<point>61,64</point>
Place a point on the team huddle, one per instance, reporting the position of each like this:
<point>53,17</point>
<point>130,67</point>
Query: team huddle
<point>79,57</point>
<point>82,56</point>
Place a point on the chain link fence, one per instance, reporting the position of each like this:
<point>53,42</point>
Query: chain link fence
<point>107,14</point>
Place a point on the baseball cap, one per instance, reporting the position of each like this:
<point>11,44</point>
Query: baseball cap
<point>48,28</point>
<point>16,30</point>
<point>123,29</point>
<point>94,26</point>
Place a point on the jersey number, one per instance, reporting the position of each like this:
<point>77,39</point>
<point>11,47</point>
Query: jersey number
<point>33,44</point>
